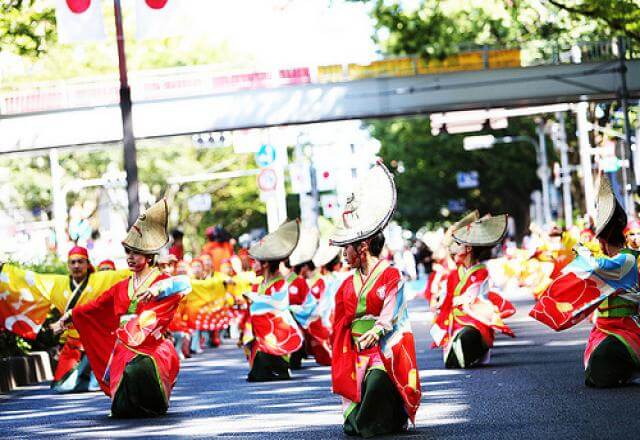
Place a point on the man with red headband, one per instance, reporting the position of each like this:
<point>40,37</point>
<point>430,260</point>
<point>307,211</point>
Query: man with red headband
<point>632,234</point>
<point>35,294</point>
<point>106,265</point>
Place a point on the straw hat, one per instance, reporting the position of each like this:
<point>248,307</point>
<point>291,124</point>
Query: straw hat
<point>325,254</point>
<point>306,247</point>
<point>149,233</point>
<point>448,242</point>
<point>278,245</point>
<point>606,203</point>
<point>464,221</point>
<point>369,208</point>
<point>486,231</point>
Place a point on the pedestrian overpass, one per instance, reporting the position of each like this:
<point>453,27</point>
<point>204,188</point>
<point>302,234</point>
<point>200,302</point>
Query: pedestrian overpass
<point>304,99</point>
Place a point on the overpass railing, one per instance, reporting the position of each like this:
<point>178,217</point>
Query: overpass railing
<point>205,80</point>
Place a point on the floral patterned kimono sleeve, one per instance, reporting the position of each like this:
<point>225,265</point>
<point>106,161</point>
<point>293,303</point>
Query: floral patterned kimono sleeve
<point>384,323</point>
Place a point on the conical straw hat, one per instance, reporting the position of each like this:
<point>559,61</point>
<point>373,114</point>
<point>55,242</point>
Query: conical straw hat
<point>368,209</point>
<point>448,242</point>
<point>464,221</point>
<point>306,247</point>
<point>149,233</point>
<point>325,253</point>
<point>278,245</point>
<point>486,231</point>
<point>605,204</point>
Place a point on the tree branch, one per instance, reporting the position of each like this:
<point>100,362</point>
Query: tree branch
<point>619,25</point>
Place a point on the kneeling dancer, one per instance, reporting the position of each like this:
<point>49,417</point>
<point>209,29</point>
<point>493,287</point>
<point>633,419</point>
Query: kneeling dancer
<point>471,312</point>
<point>374,364</point>
<point>608,285</point>
<point>123,330</point>
<point>273,334</point>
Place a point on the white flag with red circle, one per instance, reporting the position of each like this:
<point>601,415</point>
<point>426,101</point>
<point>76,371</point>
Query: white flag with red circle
<point>79,20</point>
<point>326,177</point>
<point>157,18</point>
<point>329,203</point>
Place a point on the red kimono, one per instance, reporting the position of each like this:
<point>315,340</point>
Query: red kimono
<point>124,341</point>
<point>376,302</point>
<point>271,334</point>
<point>470,302</point>
<point>298,289</point>
<point>317,335</point>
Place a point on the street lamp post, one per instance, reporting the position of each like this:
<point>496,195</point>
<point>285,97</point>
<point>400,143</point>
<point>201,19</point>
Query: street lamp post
<point>130,159</point>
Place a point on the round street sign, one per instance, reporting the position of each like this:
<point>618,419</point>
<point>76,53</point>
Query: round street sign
<point>265,156</point>
<point>267,179</point>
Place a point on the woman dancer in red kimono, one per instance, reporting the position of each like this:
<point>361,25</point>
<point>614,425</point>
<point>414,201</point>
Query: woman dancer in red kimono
<point>123,330</point>
<point>374,364</point>
<point>471,312</point>
<point>271,334</point>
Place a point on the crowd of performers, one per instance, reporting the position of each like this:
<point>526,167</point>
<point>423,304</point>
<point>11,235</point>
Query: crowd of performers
<point>591,274</point>
<point>296,294</point>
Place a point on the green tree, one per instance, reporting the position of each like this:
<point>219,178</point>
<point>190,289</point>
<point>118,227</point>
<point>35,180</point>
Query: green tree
<point>436,29</point>
<point>429,165</point>
<point>26,26</point>
<point>621,16</point>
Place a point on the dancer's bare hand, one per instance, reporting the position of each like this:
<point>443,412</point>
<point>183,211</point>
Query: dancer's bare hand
<point>147,295</point>
<point>368,339</point>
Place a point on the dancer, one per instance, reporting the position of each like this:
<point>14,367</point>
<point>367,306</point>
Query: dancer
<point>607,284</point>
<point>270,350</point>
<point>374,364</point>
<point>123,330</point>
<point>63,293</point>
<point>471,312</point>
<point>301,303</point>
<point>632,235</point>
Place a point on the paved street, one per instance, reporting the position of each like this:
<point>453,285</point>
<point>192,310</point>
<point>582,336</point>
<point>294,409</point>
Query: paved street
<point>532,389</point>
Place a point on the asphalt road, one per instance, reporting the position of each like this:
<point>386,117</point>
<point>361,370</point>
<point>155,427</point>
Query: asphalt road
<point>532,389</point>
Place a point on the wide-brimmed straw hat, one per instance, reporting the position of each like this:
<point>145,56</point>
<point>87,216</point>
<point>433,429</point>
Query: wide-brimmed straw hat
<point>464,221</point>
<point>306,247</point>
<point>487,231</point>
<point>149,233</point>
<point>368,209</point>
<point>277,245</point>
<point>448,243</point>
<point>606,203</point>
<point>325,254</point>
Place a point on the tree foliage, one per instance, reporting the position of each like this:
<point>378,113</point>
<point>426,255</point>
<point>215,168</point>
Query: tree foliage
<point>26,26</point>
<point>438,28</point>
<point>428,182</point>
<point>622,16</point>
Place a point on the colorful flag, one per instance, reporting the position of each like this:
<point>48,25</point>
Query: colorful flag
<point>24,303</point>
<point>79,20</point>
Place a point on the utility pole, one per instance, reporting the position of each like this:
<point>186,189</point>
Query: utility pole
<point>130,159</point>
<point>314,193</point>
<point>59,204</point>
<point>585,158</point>
<point>629,180</point>
<point>543,172</point>
<point>561,142</point>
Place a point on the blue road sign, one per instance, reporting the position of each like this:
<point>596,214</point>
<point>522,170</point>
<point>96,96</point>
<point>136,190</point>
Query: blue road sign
<point>265,156</point>
<point>467,180</point>
<point>457,205</point>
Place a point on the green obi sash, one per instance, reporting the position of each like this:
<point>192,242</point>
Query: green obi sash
<point>360,326</point>
<point>616,307</point>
